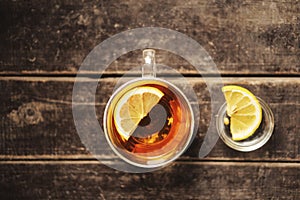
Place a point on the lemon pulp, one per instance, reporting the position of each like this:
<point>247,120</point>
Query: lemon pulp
<point>244,110</point>
<point>133,106</point>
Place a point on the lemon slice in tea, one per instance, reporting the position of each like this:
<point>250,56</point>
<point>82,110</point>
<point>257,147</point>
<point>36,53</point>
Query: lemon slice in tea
<point>244,110</point>
<point>133,106</point>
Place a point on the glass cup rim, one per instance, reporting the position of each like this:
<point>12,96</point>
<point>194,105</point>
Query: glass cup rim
<point>249,145</point>
<point>178,153</point>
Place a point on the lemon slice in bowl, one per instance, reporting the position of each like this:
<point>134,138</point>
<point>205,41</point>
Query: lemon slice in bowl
<point>133,106</point>
<point>244,110</point>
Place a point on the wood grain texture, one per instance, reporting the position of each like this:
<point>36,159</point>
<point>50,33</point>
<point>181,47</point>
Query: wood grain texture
<point>44,44</point>
<point>37,121</point>
<point>198,180</point>
<point>53,37</point>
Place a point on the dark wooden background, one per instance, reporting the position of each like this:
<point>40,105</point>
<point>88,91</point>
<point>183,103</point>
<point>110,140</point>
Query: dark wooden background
<point>255,44</point>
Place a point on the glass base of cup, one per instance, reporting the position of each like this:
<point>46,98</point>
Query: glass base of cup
<point>257,140</point>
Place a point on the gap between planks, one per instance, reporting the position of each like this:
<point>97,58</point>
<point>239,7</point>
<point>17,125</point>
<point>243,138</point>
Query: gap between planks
<point>89,159</point>
<point>191,79</point>
<point>200,163</point>
<point>136,74</point>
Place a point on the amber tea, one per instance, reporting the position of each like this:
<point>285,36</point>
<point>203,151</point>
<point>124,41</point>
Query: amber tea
<point>148,122</point>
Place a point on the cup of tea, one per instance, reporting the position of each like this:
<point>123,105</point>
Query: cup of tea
<point>148,122</point>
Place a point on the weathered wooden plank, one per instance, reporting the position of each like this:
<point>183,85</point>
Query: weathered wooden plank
<point>199,180</point>
<point>243,37</point>
<point>37,122</point>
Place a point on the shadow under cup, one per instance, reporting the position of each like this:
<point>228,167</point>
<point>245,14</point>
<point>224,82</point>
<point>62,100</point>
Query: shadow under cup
<point>161,136</point>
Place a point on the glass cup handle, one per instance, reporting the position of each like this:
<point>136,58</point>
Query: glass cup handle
<point>149,67</point>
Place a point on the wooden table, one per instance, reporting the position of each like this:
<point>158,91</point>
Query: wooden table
<point>255,44</point>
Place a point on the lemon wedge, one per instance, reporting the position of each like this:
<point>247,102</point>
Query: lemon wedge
<point>133,106</point>
<point>244,110</point>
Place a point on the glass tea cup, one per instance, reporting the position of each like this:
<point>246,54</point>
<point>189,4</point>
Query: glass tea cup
<point>148,122</point>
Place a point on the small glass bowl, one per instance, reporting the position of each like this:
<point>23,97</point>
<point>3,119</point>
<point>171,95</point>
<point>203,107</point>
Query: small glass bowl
<point>257,140</point>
